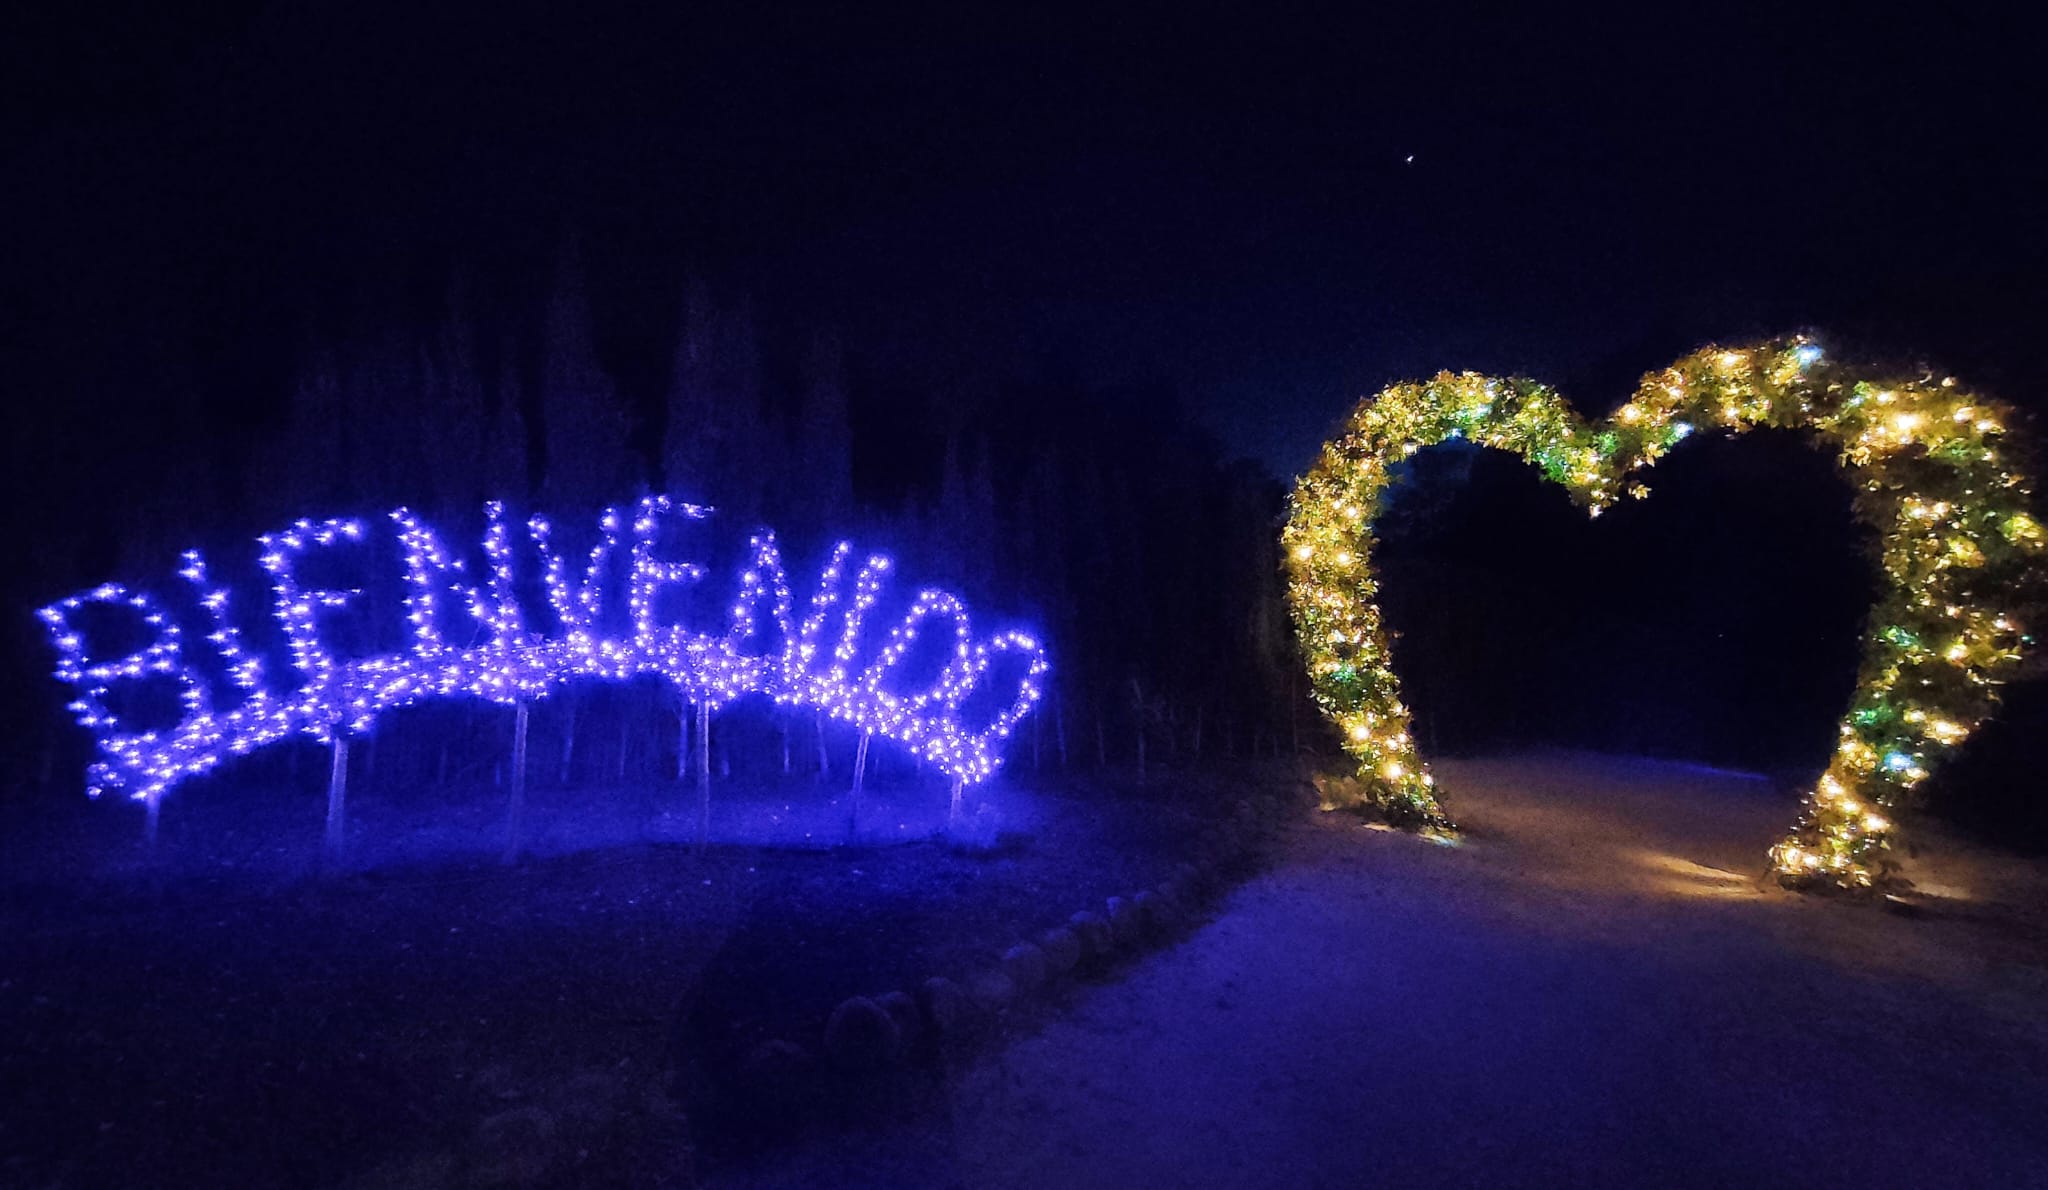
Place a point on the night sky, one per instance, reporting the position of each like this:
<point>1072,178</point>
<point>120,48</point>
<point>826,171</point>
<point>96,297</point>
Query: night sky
<point>1041,233</point>
<point>1272,213</point>
<point>1260,215</point>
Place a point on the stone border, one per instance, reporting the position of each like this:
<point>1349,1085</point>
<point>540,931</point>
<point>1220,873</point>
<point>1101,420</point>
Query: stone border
<point>866,1035</point>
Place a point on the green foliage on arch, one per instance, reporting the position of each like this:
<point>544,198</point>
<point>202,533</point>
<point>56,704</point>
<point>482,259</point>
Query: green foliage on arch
<point>1935,475</point>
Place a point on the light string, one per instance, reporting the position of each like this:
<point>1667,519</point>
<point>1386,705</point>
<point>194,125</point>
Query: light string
<point>1934,473</point>
<point>510,662</point>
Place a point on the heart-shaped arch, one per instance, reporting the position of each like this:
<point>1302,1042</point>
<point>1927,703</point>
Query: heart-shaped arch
<point>1933,473</point>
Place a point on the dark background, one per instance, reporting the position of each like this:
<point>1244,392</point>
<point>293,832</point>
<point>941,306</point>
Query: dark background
<point>1083,258</point>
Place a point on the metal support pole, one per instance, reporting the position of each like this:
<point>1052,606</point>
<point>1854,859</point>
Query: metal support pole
<point>703,777</point>
<point>337,800</point>
<point>860,768</point>
<point>515,810</point>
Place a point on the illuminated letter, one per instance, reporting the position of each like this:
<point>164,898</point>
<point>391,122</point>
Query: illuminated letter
<point>91,681</point>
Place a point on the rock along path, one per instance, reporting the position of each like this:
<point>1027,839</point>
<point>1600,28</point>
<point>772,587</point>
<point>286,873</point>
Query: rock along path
<point>1593,989</point>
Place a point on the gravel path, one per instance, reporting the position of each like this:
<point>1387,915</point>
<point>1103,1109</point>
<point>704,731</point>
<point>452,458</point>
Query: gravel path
<point>1592,990</point>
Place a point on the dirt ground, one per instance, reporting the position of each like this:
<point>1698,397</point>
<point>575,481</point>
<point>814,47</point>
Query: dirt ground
<point>218,1015</point>
<point>1593,989</point>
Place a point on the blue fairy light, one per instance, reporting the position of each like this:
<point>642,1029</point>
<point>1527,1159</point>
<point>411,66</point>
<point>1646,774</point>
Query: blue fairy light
<point>814,666</point>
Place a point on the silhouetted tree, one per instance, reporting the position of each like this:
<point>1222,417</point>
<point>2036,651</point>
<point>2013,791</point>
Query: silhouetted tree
<point>586,461</point>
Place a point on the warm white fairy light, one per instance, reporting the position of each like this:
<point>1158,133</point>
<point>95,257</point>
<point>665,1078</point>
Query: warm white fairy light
<point>1933,477</point>
<point>489,651</point>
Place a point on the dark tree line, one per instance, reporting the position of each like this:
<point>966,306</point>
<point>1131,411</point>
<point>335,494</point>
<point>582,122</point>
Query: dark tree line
<point>1102,519</point>
<point>1716,621</point>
